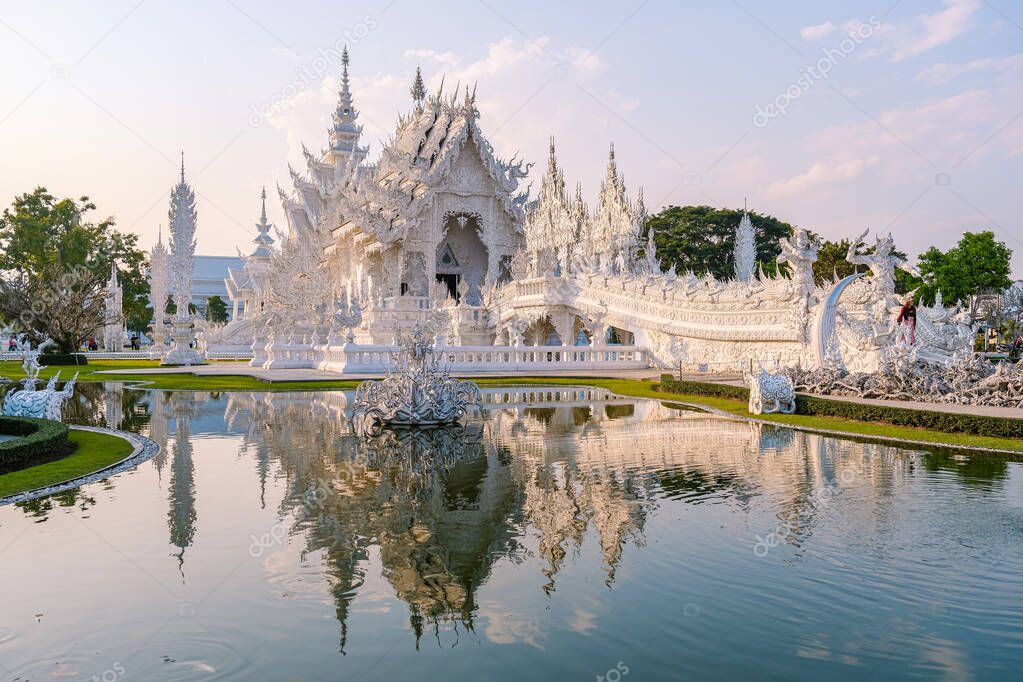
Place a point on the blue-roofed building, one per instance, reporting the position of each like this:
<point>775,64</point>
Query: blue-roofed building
<point>208,278</point>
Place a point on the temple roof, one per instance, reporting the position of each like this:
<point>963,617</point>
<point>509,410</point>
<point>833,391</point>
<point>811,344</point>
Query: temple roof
<point>340,193</point>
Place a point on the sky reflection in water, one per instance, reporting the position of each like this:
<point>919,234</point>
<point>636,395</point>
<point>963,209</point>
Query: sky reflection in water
<point>567,534</point>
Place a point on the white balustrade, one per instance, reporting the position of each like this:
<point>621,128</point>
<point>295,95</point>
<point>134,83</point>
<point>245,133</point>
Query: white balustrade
<point>370,359</point>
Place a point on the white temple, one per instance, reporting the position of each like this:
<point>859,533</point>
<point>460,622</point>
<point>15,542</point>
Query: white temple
<point>439,229</point>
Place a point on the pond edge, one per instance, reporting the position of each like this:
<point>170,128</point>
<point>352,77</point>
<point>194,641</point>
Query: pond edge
<point>143,449</point>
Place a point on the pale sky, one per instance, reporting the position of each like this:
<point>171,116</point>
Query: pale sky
<point>913,125</point>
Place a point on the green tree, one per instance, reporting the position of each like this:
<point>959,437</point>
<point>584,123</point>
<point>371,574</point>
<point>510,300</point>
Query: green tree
<point>831,261</point>
<point>978,265</point>
<point>42,240</point>
<point>702,238</point>
<point>172,308</point>
<point>216,310</point>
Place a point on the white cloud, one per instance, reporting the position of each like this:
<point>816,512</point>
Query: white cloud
<point>822,173</point>
<point>928,31</point>
<point>448,59</point>
<point>817,32</point>
<point>944,73</point>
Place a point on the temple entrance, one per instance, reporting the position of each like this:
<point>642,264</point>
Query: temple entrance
<point>461,257</point>
<point>450,280</point>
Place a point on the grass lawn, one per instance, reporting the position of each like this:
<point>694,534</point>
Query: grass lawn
<point>183,381</point>
<point>93,451</point>
<point>628,387</point>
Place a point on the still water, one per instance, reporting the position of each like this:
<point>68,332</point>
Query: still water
<point>568,535</point>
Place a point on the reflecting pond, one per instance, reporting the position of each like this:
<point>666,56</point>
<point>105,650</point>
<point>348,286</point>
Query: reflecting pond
<point>568,534</point>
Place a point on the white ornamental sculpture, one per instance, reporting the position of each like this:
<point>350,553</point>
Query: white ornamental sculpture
<point>770,392</point>
<point>28,402</point>
<point>182,225</point>
<point>113,315</point>
<point>348,316</point>
<point>418,392</point>
<point>745,253</point>
<point>158,259</point>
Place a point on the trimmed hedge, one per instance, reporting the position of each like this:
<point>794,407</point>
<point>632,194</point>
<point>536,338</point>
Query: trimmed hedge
<point>61,359</point>
<point>948,422</point>
<point>672,385</point>
<point>38,439</point>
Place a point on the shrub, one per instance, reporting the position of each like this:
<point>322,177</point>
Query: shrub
<point>61,359</point>
<point>39,439</point>
<point>673,385</point>
<point>948,422</point>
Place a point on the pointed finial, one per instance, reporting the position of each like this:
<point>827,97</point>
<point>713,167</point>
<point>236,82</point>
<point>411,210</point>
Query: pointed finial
<point>744,209</point>
<point>262,212</point>
<point>418,89</point>
<point>182,165</point>
<point>344,61</point>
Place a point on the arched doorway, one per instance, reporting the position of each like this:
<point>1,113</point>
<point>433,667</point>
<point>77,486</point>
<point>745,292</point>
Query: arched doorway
<point>462,257</point>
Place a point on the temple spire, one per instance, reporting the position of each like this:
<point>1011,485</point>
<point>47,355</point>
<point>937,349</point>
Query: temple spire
<point>418,89</point>
<point>263,240</point>
<point>744,253</point>
<point>345,132</point>
<point>182,166</point>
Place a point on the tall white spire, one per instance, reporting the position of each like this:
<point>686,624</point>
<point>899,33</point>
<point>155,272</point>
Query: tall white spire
<point>345,133</point>
<point>418,89</point>
<point>263,240</point>
<point>745,250</point>
<point>550,227</point>
<point>158,286</point>
<point>615,233</point>
<point>183,218</point>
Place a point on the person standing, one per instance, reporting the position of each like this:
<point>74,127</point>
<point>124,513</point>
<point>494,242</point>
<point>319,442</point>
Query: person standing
<point>907,320</point>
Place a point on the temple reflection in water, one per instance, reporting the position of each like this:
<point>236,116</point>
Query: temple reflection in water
<point>545,468</point>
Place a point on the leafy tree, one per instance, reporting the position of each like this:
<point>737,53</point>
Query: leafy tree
<point>216,310</point>
<point>831,261</point>
<point>702,238</point>
<point>978,265</point>
<point>42,240</point>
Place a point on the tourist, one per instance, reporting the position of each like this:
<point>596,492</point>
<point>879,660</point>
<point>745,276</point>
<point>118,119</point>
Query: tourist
<point>907,320</point>
<point>12,345</point>
<point>134,341</point>
<point>1017,346</point>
